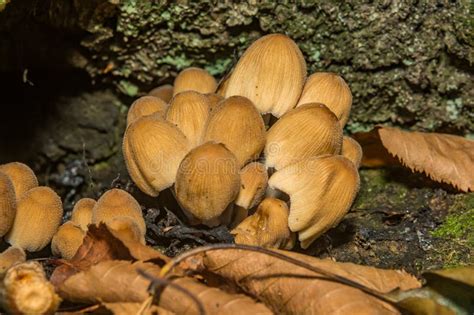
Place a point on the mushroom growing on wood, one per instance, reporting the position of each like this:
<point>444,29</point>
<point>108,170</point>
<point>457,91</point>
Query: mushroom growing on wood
<point>82,212</point>
<point>67,240</point>
<point>23,178</point>
<point>321,192</point>
<point>267,227</point>
<point>165,92</point>
<point>144,106</point>
<point>270,73</point>
<point>38,215</point>
<point>194,79</point>
<point>7,204</point>
<point>352,150</point>
<point>117,202</point>
<point>305,132</point>
<point>331,90</point>
<point>25,290</point>
<point>207,182</point>
<point>238,125</point>
<point>189,111</point>
<point>153,149</point>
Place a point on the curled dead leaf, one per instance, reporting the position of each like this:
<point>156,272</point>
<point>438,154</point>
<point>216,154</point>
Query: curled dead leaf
<point>442,157</point>
<point>290,289</point>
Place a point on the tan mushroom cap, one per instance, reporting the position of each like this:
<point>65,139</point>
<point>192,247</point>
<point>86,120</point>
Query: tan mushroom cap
<point>331,90</point>
<point>38,216</point>
<point>267,227</point>
<point>352,150</point>
<point>165,92</point>
<point>117,202</point>
<point>82,212</point>
<point>238,125</point>
<point>321,192</point>
<point>305,132</point>
<point>67,240</point>
<point>189,111</point>
<point>7,204</point>
<point>254,180</point>
<point>270,73</point>
<point>194,79</point>
<point>22,176</point>
<point>214,100</point>
<point>144,106</point>
<point>153,149</point>
<point>25,290</point>
<point>9,257</point>
<point>207,181</point>
<point>126,227</point>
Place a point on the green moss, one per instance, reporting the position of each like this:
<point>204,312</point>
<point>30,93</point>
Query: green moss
<point>128,88</point>
<point>3,3</point>
<point>219,67</point>
<point>459,224</point>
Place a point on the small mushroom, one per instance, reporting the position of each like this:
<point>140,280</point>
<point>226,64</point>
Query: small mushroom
<point>67,240</point>
<point>7,204</point>
<point>9,257</point>
<point>267,227</point>
<point>38,216</point>
<point>153,149</point>
<point>82,212</point>
<point>165,92</point>
<point>254,179</point>
<point>144,106</point>
<point>23,178</point>
<point>331,90</point>
<point>305,132</point>
<point>194,79</point>
<point>238,125</point>
<point>321,192</point>
<point>25,290</point>
<point>271,73</point>
<point>207,182</point>
<point>189,111</point>
<point>352,150</point>
<point>126,227</point>
<point>117,202</point>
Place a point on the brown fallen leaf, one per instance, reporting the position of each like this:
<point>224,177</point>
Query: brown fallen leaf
<point>214,300</point>
<point>442,157</point>
<point>120,281</point>
<point>101,244</point>
<point>290,289</point>
<point>108,281</point>
<point>134,308</point>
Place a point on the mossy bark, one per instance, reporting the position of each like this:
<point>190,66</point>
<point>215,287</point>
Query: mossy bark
<point>408,63</point>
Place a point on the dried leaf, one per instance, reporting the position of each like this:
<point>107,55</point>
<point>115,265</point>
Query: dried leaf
<point>99,245</point>
<point>109,281</point>
<point>214,300</point>
<point>444,158</point>
<point>291,289</point>
<point>134,308</point>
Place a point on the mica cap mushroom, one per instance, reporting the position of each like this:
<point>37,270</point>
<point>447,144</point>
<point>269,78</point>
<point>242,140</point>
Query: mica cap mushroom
<point>207,182</point>
<point>270,73</point>
<point>321,192</point>
<point>153,149</point>
<point>67,240</point>
<point>194,79</point>
<point>189,111</point>
<point>238,125</point>
<point>117,202</point>
<point>331,90</point>
<point>305,132</point>
<point>82,212</point>
<point>352,150</point>
<point>22,176</point>
<point>267,227</point>
<point>165,92</point>
<point>38,216</point>
<point>144,106</point>
<point>7,204</point>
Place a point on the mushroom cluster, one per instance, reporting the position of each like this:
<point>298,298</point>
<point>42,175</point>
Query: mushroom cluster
<point>266,138</point>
